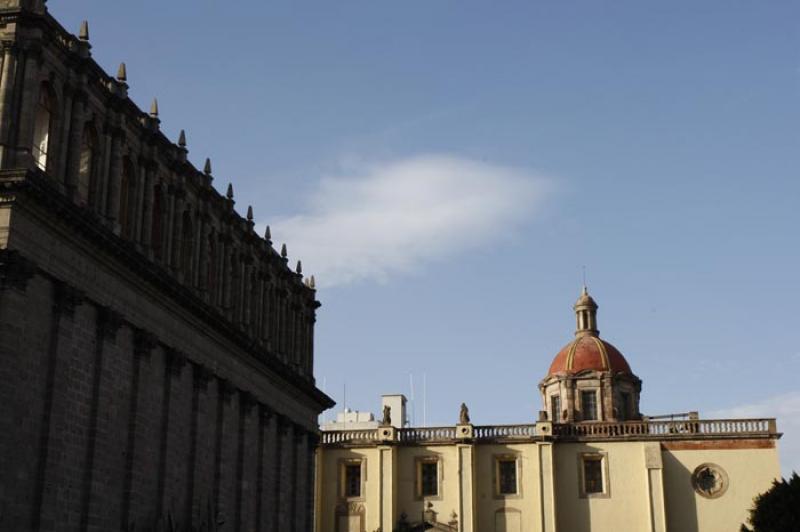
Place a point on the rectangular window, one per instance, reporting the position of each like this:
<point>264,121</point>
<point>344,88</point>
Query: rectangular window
<point>507,476</point>
<point>352,480</point>
<point>555,408</point>
<point>589,405</point>
<point>625,406</point>
<point>429,478</point>
<point>593,475</point>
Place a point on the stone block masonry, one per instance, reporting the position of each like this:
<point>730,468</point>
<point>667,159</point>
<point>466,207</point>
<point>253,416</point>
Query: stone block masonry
<point>156,355</point>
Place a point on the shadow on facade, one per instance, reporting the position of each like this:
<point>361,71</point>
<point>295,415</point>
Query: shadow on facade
<point>680,505</point>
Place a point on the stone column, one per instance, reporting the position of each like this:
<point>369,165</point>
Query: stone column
<point>138,204</point>
<point>72,156</point>
<point>301,480</point>
<point>147,209</point>
<point>267,501</point>
<point>24,117</point>
<point>60,139</point>
<point>114,181</point>
<point>7,81</point>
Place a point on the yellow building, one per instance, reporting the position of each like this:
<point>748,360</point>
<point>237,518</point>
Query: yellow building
<point>592,462</point>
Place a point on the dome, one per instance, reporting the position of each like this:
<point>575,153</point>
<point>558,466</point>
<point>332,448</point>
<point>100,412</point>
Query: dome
<point>588,352</point>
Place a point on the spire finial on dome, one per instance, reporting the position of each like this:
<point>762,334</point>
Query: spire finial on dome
<point>586,314</point>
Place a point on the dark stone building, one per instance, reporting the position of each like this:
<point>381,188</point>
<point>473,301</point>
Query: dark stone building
<point>156,354</point>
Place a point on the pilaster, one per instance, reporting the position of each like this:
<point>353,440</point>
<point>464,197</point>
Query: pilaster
<point>466,487</point>
<point>387,463</point>
<point>547,491</point>
<point>655,487</point>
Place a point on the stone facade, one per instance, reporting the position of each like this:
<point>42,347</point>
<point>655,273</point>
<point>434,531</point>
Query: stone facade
<point>156,354</point>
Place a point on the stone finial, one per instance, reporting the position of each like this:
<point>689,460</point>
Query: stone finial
<point>83,33</point>
<point>312,283</point>
<point>284,252</point>
<point>299,267</point>
<point>122,73</point>
<point>229,193</point>
<point>207,167</point>
<point>249,213</point>
<point>182,139</point>
<point>154,108</point>
<point>267,234</point>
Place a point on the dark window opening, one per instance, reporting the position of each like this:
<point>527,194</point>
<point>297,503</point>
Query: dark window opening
<point>507,472</point>
<point>593,475</point>
<point>589,405</point>
<point>430,478</point>
<point>352,480</point>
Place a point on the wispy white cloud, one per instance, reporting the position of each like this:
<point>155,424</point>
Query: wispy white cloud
<point>784,407</point>
<point>375,220</point>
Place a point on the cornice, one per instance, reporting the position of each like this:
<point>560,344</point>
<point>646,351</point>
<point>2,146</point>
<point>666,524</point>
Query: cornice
<point>18,186</point>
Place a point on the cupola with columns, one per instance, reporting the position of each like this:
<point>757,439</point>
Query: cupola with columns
<point>589,379</point>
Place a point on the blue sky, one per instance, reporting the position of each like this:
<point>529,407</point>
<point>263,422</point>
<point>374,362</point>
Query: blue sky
<point>446,169</point>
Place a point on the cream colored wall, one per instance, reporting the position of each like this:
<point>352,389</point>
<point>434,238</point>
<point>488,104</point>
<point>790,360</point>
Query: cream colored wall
<point>448,500</point>
<point>628,503</point>
<point>526,503</point>
<point>329,491</point>
<point>628,507</point>
<point>750,472</point>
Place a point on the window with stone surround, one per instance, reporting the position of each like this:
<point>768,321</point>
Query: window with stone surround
<point>352,478</point>
<point>428,476</point>
<point>506,475</point>
<point>593,470</point>
<point>555,408</point>
<point>589,405</point>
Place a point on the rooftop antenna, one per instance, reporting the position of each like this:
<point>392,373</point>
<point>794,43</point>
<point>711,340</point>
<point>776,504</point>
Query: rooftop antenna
<point>413,403</point>
<point>424,399</point>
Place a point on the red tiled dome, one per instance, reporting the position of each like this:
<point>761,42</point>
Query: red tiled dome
<point>588,352</point>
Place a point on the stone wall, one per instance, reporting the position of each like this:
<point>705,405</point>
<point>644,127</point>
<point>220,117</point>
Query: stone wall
<point>156,354</point>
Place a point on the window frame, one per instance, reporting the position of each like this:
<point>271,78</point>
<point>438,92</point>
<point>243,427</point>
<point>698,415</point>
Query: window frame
<point>555,408</point>
<point>601,457</point>
<point>419,461</point>
<point>594,393</point>
<point>506,458</point>
<point>343,465</point>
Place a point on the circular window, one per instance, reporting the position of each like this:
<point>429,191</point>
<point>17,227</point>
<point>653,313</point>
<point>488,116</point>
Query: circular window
<point>710,480</point>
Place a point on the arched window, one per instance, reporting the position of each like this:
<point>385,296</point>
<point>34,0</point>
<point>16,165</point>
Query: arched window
<point>86,164</point>
<point>127,198</point>
<point>157,232</point>
<point>187,244</point>
<point>43,126</point>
